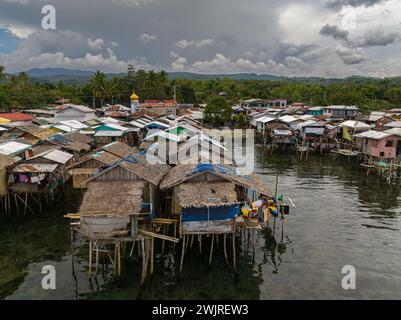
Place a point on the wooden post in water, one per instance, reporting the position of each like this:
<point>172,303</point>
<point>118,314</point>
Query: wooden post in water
<point>200,243</point>
<point>152,252</point>
<point>90,258</point>
<point>183,251</point>
<point>143,260</point>
<point>225,247</point>
<point>234,253</point>
<point>211,250</point>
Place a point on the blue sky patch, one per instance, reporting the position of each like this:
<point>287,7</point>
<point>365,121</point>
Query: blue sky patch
<point>8,41</point>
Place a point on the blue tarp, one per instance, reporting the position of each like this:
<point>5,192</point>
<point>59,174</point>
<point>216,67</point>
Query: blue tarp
<point>216,213</point>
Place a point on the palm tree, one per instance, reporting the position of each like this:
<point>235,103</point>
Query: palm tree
<point>2,73</point>
<point>99,86</point>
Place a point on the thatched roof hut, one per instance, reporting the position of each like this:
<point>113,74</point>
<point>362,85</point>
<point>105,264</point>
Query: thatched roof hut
<point>119,149</point>
<point>206,194</point>
<point>112,198</point>
<point>183,173</point>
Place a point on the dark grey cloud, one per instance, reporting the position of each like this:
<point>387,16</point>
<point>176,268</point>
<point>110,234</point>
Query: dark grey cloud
<point>378,38</point>
<point>350,56</point>
<point>338,4</point>
<point>262,36</point>
<point>335,32</point>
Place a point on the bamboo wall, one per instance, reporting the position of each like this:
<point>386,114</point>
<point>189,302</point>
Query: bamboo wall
<point>3,182</point>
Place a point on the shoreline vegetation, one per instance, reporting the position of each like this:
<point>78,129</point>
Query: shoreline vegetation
<point>20,91</point>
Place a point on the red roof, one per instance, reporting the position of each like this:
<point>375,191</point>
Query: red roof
<point>170,101</point>
<point>152,101</point>
<point>16,116</point>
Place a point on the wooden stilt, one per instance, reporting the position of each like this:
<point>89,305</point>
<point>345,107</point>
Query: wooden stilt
<point>211,250</point>
<point>152,253</point>
<point>143,260</point>
<point>16,203</point>
<point>26,202</point>
<point>192,241</point>
<point>200,243</point>
<point>225,246</point>
<point>119,258</point>
<point>132,249</point>
<point>90,259</point>
<point>97,258</point>
<point>163,241</point>
<point>175,234</point>
<point>234,253</point>
<point>183,251</point>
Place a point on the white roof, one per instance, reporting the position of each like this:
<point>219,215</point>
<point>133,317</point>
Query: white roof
<point>305,117</point>
<point>77,107</point>
<point>315,108</point>
<point>116,126</point>
<point>373,134</point>
<point>306,123</point>
<point>3,129</point>
<point>355,124</point>
<point>70,125</point>
<point>55,155</point>
<point>265,119</point>
<point>202,137</point>
<point>394,131</point>
<point>12,147</point>
<point>163,134</point>
<point>137,124</point>
<point>393,124</point>
<point>285,133</point>
<point>197,115</point>
<point>109,133</point>
<point>108,120</point>
<point>341,107</point>
<point>161,124</point>
<point>288,119</point>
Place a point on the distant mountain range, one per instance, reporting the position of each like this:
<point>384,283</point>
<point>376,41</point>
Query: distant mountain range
<point>55,75</point>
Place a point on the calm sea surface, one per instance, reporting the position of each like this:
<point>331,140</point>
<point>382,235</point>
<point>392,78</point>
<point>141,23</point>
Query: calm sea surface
<point>341,218</point>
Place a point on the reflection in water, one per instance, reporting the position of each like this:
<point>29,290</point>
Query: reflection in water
<point>342,217</point>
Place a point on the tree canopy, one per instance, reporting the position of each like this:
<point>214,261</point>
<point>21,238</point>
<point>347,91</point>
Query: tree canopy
<point>218,111</point>
<point>20,91</point>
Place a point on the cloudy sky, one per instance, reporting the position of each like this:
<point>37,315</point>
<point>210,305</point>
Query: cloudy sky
<point>329,38</point>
